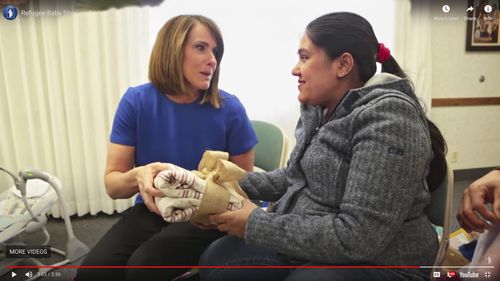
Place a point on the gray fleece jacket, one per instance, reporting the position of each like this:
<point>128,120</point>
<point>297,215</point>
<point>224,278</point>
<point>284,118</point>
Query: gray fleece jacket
<point>354,189</point>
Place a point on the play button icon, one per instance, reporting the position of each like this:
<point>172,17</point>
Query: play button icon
<point>13,274</point>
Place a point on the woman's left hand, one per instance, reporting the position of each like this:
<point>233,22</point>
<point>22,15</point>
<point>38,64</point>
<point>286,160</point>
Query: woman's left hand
<point>234,222</point>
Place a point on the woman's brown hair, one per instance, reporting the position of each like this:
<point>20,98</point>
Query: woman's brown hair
<point>165,63</point>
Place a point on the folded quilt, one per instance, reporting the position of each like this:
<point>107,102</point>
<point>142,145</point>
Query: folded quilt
<point>184,192</point>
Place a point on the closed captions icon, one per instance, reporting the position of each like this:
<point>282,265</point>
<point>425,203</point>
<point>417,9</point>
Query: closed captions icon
<point>9,12</point>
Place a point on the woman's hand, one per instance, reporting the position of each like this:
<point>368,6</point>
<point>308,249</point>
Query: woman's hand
<point>234,222</point>
<point>473,213</point>
<point>144,177</point>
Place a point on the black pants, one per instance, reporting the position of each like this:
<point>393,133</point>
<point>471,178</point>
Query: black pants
<point>144,238</point>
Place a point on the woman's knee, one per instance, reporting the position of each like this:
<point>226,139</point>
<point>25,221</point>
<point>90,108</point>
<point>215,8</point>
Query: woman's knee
<point>232,251</point>
<point>218,252</point>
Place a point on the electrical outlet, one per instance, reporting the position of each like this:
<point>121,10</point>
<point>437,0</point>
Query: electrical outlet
<point>454,156</point>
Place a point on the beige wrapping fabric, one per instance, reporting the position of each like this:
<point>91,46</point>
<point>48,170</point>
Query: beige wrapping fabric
<point>221,178</point>
<point>194,195</point>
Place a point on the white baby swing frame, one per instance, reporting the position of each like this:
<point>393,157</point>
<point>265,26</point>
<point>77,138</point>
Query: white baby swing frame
<point>75,249</point>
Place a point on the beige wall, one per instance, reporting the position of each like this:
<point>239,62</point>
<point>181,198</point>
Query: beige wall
<point>472,132</point>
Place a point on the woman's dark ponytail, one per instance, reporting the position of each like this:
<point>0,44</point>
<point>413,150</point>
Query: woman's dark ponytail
<point>437,169</point>
<point>392,66</point>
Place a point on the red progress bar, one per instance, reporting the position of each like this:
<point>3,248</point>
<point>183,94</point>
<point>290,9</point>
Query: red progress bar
<point>215,266</point>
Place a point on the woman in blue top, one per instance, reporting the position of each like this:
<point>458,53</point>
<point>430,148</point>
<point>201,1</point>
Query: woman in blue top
<point>173,119</point>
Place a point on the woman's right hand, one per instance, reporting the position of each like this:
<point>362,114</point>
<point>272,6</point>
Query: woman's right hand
<point>473,212</point>
<point>144,177</point>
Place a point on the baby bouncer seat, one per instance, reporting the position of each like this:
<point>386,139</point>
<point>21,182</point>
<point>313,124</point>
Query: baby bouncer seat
<point>23,208</point>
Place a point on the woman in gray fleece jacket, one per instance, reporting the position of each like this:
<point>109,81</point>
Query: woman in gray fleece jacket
<point>354,190</point>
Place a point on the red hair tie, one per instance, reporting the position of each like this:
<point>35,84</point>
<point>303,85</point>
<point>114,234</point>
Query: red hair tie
<point>383,53</point>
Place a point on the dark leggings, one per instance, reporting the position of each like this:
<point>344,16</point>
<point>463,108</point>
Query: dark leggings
<point>144,238</point>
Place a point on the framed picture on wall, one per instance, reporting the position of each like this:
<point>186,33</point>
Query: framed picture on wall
<point>482,25</point>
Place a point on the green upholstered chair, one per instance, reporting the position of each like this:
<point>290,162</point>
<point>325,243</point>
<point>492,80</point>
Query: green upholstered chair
<point>270,152</point>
